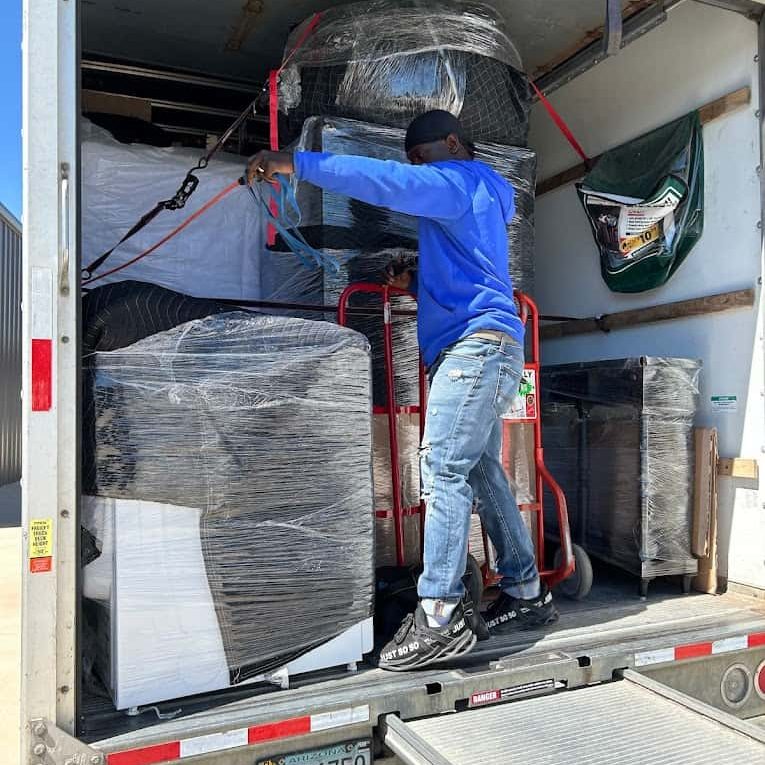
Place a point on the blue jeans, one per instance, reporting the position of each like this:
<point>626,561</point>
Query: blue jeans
<point>472,384</point>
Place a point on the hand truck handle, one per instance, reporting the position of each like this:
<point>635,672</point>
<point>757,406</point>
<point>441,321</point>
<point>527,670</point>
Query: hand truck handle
<point>566,567</point>
<point>386,292</point>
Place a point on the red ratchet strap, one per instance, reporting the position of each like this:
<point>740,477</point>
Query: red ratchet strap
<point>307,32</point>
<point>203,209</point>
<point>273,104</point>
<point>273,109</point>
<point>191,181</point>
<point>273,124</point>
<point>561,123</point>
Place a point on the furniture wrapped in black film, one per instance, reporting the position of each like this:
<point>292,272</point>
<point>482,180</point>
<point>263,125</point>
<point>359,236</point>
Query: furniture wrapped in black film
<point>336,222</point>
<point>387,61</point>
<point>229,493</point>
<point>618,437</point>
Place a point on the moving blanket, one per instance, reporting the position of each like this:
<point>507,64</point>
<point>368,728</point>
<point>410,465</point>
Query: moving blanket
<point>262,424</point>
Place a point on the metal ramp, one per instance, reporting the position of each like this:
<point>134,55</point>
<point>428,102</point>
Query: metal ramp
<point>632,721</point>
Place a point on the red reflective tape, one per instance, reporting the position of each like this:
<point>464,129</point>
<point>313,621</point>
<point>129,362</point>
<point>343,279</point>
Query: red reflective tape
<point>692,651</point>
<point>298,726</point>
<point>147,756</point>
<point>42,375</point>
<point>273,129</point>
<point>756,640</point>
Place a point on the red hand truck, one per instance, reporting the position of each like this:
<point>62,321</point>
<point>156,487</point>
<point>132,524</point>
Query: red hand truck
<point>528,413</point>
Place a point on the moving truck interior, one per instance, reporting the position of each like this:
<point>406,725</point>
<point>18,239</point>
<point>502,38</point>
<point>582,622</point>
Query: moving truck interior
<point>179,74</point>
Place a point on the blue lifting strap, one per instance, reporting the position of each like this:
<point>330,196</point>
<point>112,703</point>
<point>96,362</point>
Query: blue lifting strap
<point>287,222</point>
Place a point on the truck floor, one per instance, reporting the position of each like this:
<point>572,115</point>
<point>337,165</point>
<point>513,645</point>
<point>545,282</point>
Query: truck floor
<point>612,614</point>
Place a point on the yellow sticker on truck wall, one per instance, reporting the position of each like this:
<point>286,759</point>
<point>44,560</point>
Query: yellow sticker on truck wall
<point>41,545</point>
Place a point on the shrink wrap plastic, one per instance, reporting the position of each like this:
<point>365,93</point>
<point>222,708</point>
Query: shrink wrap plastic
<point>254,434</point>
<point>618,439</point>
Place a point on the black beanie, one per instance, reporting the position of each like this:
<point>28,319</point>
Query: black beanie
<point>432,126</point>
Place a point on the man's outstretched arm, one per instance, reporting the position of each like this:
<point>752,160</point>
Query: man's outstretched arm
<point>421,190</point>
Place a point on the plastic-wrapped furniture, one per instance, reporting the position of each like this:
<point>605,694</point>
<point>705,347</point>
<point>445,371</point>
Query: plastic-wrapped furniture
<point>339,223</point>
<point>618,436</point>
<point>230,498</point>
<point>386,61</point>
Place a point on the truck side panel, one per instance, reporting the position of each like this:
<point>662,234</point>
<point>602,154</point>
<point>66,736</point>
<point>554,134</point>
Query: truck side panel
<point>49,347</point>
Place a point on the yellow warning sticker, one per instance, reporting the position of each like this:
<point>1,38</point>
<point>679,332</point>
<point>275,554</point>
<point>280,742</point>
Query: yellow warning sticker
<point>41,538</point>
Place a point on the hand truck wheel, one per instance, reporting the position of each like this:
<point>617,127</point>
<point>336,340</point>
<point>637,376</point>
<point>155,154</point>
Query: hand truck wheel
<point>579,584</point>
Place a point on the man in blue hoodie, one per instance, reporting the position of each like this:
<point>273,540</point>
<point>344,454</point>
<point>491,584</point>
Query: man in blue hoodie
<point>472,343</point>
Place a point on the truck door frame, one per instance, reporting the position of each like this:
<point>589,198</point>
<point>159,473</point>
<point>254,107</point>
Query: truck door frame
<point>50,376</point>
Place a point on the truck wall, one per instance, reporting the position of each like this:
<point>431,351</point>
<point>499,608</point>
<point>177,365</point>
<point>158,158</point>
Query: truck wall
<point>10,348</point>
<point>698,55</point>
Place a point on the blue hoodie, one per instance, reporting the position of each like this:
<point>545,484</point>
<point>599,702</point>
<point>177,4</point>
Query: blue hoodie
<point>463,207</point>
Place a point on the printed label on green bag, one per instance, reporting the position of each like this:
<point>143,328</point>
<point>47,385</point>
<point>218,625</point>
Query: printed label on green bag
<point>629,229</point>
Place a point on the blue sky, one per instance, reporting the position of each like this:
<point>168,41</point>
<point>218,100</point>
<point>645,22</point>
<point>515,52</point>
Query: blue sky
<point>10,98</point>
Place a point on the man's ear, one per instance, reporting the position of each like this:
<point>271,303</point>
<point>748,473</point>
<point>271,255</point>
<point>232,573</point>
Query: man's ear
<point>453,144</point>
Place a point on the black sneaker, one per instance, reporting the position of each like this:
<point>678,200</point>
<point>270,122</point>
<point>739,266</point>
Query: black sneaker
<point>507,613</point>
<point>418,645</point>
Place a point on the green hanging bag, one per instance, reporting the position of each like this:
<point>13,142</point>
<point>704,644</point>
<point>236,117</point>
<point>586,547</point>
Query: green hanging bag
<point>645,203</point>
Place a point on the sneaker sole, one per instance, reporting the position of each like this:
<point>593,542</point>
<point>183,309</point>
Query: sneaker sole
<point>514,625</point>
<point>461,651</point>
<point>465,644</point>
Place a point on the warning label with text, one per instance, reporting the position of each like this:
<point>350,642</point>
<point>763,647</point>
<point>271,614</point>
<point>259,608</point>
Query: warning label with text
<point>40,545</point>
<point>524,406</point>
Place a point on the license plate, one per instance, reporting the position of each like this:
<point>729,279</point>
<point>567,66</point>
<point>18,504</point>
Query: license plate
<point>347,753</point>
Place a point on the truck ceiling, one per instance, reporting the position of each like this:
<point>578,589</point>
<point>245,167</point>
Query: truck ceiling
<point>243,40</point>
